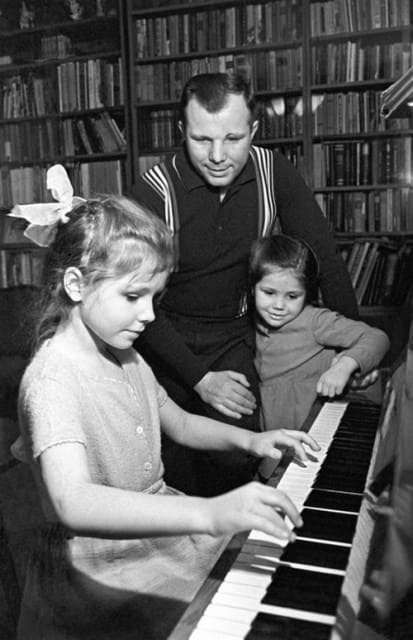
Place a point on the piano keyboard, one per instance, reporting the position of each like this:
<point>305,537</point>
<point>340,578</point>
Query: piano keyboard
<point>276,589</point>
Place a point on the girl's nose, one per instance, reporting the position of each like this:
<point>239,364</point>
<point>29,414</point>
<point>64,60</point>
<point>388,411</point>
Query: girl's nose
<point>278,302</point>
<point>146,312</point>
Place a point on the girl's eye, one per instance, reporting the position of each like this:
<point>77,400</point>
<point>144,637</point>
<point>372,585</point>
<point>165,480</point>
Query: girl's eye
<point>132,297</point>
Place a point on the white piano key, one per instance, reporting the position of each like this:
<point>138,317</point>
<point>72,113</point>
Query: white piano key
<point>235,614</point>
<point>297,614</point>
<point>211,634</point>
<point>240,575</point>
<point>244,590</point>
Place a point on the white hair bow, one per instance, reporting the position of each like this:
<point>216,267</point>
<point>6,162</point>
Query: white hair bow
<point>43,217</point>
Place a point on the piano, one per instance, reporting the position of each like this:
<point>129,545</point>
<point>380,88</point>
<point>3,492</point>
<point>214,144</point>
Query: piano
<point>263,588</point>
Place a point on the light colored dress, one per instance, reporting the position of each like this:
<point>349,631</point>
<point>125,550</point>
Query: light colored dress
<point>79,587</point>
<point>291,359</point>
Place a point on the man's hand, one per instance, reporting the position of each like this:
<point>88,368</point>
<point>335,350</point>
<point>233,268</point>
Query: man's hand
<point>362,382</point>
<point>228,392</point>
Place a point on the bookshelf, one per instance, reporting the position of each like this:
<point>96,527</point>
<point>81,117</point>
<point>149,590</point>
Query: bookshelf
<point>62,100</point>
<point>362,176</point>
<point>319,68</point>
<point>62,86</point>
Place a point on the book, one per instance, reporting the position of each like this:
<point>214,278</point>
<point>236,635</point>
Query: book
<point>365,276</point>
<point>359,263</point>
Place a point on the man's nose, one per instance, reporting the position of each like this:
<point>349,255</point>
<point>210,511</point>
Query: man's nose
<point>216,152</point>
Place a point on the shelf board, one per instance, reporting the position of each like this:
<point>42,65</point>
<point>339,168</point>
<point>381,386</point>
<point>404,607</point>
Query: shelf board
<point>238,49</point>
<point>8,69</point>
<point>62,115</point>
<point>368,187</point>
<point>387,133</point>
<point>67,25</point>
<point>388,33</point>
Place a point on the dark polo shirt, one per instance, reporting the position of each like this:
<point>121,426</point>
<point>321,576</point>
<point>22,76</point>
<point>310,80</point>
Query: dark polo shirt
<point>215,240</point>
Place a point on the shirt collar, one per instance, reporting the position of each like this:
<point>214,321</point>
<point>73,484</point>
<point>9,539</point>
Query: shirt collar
<point>191,179</point>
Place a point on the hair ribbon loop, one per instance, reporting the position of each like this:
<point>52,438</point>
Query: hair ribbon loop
<point>44,217</point>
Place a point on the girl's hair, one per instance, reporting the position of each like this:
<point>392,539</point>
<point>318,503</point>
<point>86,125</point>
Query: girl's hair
<point>284,252</point>
<point>105,237</point>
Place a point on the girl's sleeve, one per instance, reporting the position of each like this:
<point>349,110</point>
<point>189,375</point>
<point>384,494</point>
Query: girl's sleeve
<point>50,414</point>
<point>365,344</point>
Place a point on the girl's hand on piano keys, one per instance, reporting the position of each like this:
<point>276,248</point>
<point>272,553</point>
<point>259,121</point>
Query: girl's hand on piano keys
<point>254,506</point>
<point>273,444</point>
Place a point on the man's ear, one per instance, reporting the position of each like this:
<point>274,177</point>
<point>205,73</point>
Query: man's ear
<point>73,283</point>
<point>254,128</point>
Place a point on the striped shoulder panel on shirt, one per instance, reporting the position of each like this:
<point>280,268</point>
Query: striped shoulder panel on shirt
<point>264,168</point>
<point>159,178</point>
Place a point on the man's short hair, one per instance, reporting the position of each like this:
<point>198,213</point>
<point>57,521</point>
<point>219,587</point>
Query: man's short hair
<point>211,90</point>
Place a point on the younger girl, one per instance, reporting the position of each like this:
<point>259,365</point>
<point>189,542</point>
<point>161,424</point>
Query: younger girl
<point>296,342</point>
<point>120,553</point>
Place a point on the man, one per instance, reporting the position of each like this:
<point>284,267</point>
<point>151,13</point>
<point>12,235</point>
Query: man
<point>218,194</point>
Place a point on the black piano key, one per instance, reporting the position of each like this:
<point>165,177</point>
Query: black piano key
<point>327,525</point>
<point>359,456</point>
<point>269,627</point>
<point>317,554</point>
<point>341,481</point>
<point>304,590</point>
<point>359,468</point>
<point>335,500</point>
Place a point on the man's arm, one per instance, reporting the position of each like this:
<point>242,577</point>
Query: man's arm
<point>301,216</point>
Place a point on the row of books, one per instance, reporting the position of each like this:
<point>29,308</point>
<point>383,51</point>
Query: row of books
<point>77,86</point>
<point>23,185</point>
<point>355,60</point>
<point>92,134</point>
<point>55,46</point>
<point>20,267</point>
<point>92,178</point>
<point>280,118</point>
<point>28,141</point>
<point>224,27</point>
<point>353,112</point>
<point>90,84</point>
<point>362,163</point>
<point>386,210</point>
<point>381,274</point>
<point>269,71</point>
<point>332,16</point>
<point>159,129</point>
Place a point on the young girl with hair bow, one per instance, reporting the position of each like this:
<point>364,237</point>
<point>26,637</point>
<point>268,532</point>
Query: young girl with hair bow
<point>120,553</point>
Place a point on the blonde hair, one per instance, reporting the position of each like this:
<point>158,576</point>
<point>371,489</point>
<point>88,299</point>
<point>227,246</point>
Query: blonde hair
<point>105,237</point>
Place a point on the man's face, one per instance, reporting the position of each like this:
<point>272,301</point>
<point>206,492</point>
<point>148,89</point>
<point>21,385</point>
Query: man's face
<point>218,143</point>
